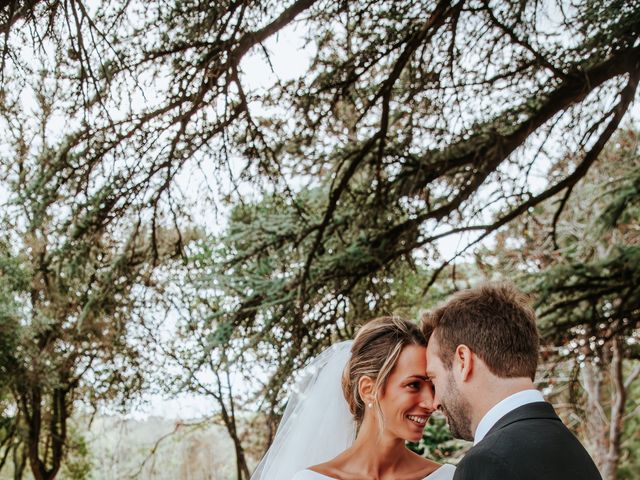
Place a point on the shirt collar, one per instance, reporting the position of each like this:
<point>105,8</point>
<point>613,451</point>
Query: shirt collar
<point>503,407</point>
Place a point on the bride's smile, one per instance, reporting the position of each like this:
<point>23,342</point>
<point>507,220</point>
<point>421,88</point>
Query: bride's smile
<point>418,419</point>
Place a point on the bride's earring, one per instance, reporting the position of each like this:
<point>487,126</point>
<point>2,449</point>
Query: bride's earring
<point>370,404</point>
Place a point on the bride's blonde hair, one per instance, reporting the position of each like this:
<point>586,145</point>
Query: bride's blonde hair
<point>374,353</point>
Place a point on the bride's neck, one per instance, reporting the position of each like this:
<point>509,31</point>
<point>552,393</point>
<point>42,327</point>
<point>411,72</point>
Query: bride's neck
<point>376,452</point>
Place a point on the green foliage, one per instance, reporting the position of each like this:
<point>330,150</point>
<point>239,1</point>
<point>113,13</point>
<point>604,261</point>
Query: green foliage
<point>579,259</point>
<point>590,293</point>
<point>437,443</point>
<point>595,282</point>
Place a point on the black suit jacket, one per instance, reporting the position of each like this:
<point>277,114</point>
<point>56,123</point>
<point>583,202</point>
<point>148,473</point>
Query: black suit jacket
<point>528,443</point>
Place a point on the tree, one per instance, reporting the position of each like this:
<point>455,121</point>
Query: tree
<point>73,280</point>
<point>413,123</point>
<point>581,264</point>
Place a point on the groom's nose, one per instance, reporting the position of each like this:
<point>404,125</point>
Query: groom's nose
<point>427,403</point>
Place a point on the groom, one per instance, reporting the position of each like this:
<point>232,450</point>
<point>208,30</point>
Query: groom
<point>482,358</point>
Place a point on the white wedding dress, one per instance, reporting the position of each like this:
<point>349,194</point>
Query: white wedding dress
<point>445,472</point>
<point>317,424</point>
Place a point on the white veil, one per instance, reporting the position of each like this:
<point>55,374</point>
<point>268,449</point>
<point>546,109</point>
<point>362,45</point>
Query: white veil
<point>317,424</point>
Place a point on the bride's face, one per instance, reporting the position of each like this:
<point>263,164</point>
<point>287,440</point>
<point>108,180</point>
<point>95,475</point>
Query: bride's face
<point>407,398</point>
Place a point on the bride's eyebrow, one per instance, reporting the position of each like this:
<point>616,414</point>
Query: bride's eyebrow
<point>420,377</point>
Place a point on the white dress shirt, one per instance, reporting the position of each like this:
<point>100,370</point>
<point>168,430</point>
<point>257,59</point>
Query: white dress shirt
<point>503,407</point>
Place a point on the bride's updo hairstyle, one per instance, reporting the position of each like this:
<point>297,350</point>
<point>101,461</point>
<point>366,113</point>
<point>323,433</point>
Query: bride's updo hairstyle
<point>374,353</point>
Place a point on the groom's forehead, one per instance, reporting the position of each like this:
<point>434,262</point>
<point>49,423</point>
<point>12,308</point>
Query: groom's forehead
<point>433,349</point>
<point>433,346</point>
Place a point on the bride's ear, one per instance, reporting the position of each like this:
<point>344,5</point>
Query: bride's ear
<point>366,389</point>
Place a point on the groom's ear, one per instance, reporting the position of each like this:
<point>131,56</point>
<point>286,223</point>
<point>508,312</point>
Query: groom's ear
<point>463,362</point>
<point>366,388</point>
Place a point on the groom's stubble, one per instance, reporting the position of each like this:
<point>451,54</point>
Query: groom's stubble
<point>457,410</point>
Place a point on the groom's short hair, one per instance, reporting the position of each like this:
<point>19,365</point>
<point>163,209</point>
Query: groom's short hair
<point>496,321</point>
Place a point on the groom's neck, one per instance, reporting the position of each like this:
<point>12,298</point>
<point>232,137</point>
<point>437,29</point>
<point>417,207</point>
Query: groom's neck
<point>491,392</point>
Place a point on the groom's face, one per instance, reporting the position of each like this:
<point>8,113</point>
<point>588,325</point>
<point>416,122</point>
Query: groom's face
<point>447,396</point>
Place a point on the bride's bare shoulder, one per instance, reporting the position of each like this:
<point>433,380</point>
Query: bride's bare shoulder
<point>328,469</point>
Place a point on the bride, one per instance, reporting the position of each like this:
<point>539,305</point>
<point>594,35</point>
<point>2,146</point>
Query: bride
<point>351,414</point>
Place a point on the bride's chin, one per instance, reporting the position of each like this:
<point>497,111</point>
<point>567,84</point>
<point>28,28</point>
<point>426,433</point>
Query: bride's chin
<point>416,432</point>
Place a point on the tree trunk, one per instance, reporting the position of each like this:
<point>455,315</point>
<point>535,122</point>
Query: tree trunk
<point>618,400</point>
<point>595,421</point>
<point>242,470</point>
<point>31,402</point>
<point>19,461</point>
<point>603,431</point>
<point>229,419</point>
